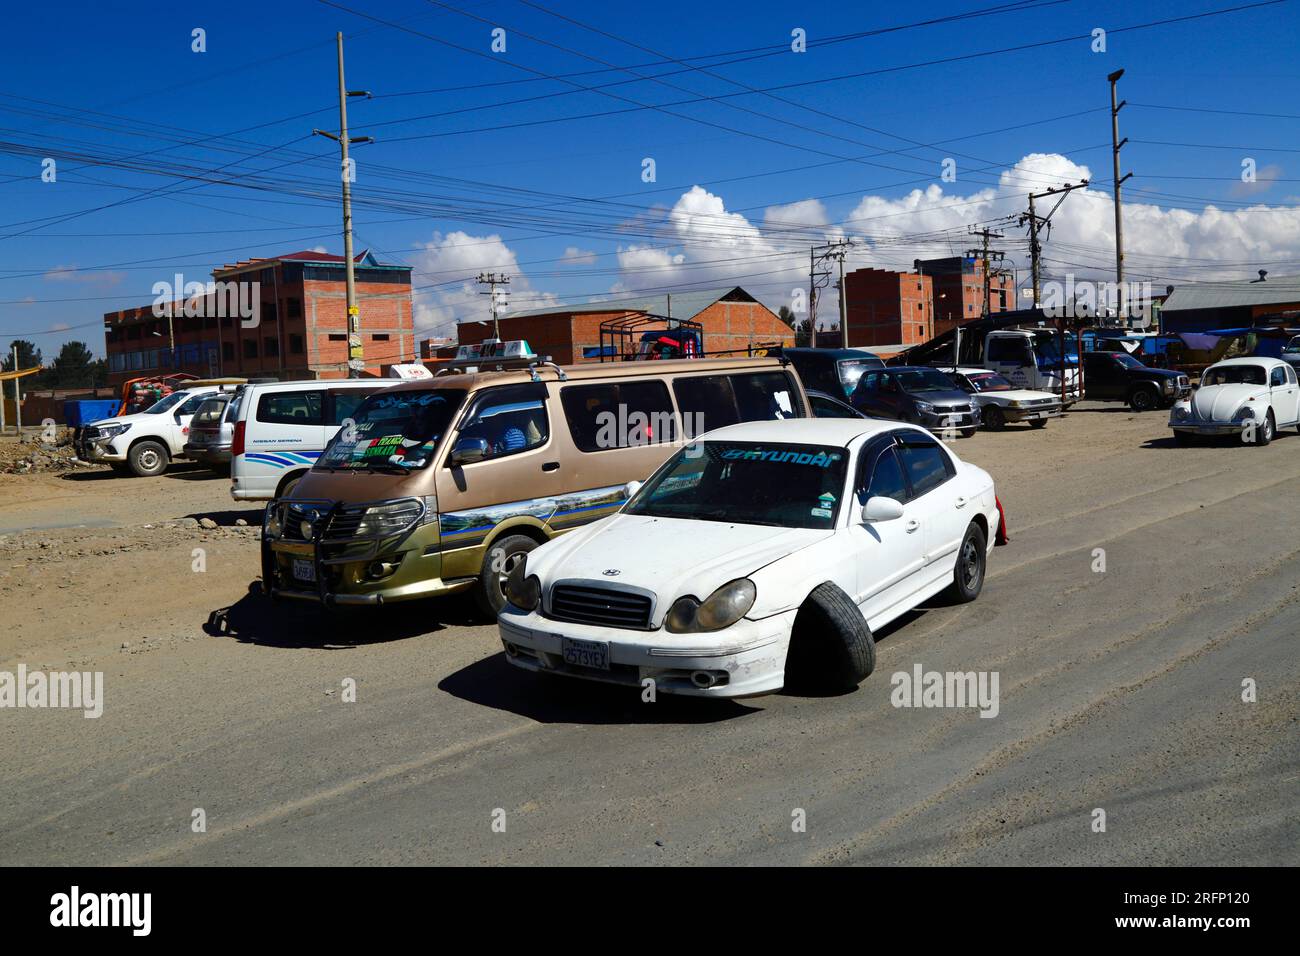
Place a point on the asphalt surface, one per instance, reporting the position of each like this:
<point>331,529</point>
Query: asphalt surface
<point>1120,690</point>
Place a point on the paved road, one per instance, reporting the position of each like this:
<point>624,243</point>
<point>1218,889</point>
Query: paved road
<point>1119,690</point>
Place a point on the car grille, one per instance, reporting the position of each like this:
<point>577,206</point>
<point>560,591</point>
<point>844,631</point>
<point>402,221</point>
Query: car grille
<point>344,523</point>
<point>1034,403</point>
<point>952,409</point>
<point>591,604</point>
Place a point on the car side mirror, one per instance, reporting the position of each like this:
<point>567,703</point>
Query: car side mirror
<point>469,450</point>
<point>879,508</point>
<point>630,489</point>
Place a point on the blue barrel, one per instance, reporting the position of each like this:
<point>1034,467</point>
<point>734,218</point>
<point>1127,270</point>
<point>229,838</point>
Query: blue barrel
<point>76,414</point>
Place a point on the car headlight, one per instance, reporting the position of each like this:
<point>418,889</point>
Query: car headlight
<point>385,519</point>
<point>1169,385</point>
<point>112,431</point>
<point>1182,411</point>
<point>1015,404</point>
<point>924,407</point>
<point>523,590</point>
<point>1244,413</point>
<point>724,607</point>
<point>271,523</point>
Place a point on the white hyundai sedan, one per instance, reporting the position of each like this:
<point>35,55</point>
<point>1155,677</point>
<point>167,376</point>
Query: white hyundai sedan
<point>763,555</point>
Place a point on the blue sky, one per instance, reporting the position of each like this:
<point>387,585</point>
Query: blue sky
<point>86,83</point>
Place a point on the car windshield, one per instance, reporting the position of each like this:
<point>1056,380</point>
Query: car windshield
<point>925,380</point>
<point>767,483</point>
<point>166,404</point>
<point>209,412</point>
<point>990,383</point>
<point>1293,345</point>
<point>393,430</point>
<point>851,370</point>
<point>1235,375</point>
<point>1128,361</point>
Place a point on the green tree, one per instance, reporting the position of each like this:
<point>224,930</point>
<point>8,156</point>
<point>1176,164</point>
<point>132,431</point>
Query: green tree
<point>28,355</point>
<point>73,368</point>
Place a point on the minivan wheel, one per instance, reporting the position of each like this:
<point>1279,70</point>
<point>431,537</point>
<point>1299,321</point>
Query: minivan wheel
<point>968,575</point>
<point>499,561</point>
<point>148,458</point>
<point>831,647</point>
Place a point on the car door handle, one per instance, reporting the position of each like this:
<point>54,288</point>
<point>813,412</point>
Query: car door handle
<point>551,466</point>
<point>960,502</point>
<point>912,526</point>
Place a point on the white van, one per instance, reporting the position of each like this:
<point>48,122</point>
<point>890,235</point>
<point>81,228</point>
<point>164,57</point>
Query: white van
<point>282,427</point>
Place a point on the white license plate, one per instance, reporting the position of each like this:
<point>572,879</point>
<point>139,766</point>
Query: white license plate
<point>594,654</point>
<point>304,570</point>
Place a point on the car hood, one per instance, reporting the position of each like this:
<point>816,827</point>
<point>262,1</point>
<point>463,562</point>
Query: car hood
<point>948,397</point>
<point>1220,402</point>
<point>1017,395</point>
<point>670,557</point>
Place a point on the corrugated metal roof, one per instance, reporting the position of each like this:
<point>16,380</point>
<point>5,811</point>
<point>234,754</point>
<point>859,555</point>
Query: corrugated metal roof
<point>1227,295</point>
<point>685,305</point>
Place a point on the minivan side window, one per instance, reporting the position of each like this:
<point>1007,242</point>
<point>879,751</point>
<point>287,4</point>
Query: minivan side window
<point>618,414</point>
<point>511,419</point>
<point>927,465</point>
<point>290,408</point>
<point>715,401</point>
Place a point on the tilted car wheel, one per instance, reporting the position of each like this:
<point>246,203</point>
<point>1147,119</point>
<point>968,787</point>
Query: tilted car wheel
<point>968,575</point>
<point>499,561</point>
<point>1142,400</point>
<point>994,418</point>
<point>1266,430</point>
<point>147,459</point>
<point>831,648</point>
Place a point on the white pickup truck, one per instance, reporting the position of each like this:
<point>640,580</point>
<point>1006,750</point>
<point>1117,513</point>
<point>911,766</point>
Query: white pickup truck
<point>1031,359</point>
<point>143,444</point>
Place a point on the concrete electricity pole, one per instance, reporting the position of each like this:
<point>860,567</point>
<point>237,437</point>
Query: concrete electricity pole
<point>831,250</point>
<point>1116,145</point>
<point>1035,222</point>
<point>984,259</point>
<point>493,280</point>
<point>356,359</point>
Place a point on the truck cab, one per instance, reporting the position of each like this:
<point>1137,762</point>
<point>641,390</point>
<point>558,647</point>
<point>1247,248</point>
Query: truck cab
<point>1031,359</point>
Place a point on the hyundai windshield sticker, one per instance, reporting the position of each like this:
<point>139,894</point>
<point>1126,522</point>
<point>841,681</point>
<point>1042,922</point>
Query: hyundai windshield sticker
<point>820,460</point>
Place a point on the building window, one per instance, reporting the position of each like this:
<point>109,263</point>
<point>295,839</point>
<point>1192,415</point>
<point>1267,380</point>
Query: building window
<point>228,351</point>
<point>293,308</point>
<point>270,346</point>
<point>250,348</point>
<point>338,337</point>
<point>295,344</point>
<point>379,337</point>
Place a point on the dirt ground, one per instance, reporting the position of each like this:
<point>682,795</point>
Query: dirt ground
<point>1120,690</point>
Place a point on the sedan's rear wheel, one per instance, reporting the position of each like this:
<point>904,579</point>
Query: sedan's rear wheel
<point>968,575</point>
<point>831,648</point>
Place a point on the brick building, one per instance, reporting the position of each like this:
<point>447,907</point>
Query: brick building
<point>958,284</point>
<point>732,320</point>
<point>298,328</point>
<point>886,308</point>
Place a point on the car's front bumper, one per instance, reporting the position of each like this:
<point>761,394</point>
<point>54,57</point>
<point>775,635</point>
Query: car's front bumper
<point>745,660</point>
<point>938,421</point>
<point>1030,414</point>
<point>98,449</point>
<point>1192,427</point>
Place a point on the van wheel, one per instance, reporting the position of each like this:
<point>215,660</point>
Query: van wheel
<point>1143,399</point>
<point>994,418</point>
<point>286,487</point>
<point>968,575</point>
<point>148,458</point>
<point>831,647</point>
<point>499,561</point>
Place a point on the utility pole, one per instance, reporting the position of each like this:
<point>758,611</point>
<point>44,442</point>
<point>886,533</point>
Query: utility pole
<point>356,359</point>
<point>18,397</point>
<point>812,296</point>
<point>1035,223</point>
<point>983,253</point>
<point>831,250</point>
<point>493,280</point>
<point>1116,145</point>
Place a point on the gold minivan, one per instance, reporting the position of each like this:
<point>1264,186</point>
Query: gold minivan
<point>438,485</point>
